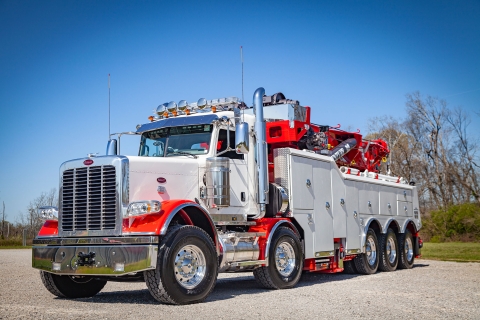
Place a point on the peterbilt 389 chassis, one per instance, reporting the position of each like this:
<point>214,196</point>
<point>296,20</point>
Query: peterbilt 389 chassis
<point>220,187</point>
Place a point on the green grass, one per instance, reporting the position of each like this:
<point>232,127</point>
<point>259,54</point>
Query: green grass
<point>15,247</point>
<point>452,251</point>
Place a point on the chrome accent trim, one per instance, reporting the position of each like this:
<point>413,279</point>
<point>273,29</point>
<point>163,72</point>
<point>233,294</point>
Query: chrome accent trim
<point>285,259</point>
<point>387,224</point>
<point>363,235</point>
<point>234,223</point>
<point>108,260</point>
<point>249,263</point>
<point>112,149</point>
<point>217,178</point>
<point>238,247</point>
<point>97,241</point>
<point>274,228</point>
<point>405,224</point>
<point>78,222</point>
<point>177,121</point>
<point>354,251</point>
<point>189,265</point>
<point>138,233</point>
<point>324,254</point>
<point>242,137</point>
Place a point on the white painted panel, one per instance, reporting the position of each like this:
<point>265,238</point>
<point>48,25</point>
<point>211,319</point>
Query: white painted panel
<point>238,182</point>
<point>181,178</point>
<point>368,193</point>
<point>404,195</point>
<point>388,199</point>
<point>323,216</point>
<point>353,223</point>
<point>339,211</point>
<point>301,194</point>
<point>302,217</point>
<point>405,208</point>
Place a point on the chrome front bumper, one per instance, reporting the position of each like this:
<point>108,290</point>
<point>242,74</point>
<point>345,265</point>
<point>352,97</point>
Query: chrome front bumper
<point>95,256</point>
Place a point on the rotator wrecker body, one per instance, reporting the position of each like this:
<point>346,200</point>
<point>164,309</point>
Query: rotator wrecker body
<point>220,187</point>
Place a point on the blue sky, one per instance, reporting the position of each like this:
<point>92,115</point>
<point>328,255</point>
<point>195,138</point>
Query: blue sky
<point>349,60</point>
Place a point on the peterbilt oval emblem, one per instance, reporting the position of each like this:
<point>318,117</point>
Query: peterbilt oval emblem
<point>161,180</point>
<point>88,162</point>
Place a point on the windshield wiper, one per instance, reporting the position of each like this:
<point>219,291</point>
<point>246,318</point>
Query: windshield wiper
<point>183,153</point>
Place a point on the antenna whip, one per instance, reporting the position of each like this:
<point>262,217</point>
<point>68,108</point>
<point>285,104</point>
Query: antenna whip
<point>109,106</point>
<point>241,57</point>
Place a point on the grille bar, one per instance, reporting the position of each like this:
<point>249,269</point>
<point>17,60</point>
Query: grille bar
<point>89,199</point>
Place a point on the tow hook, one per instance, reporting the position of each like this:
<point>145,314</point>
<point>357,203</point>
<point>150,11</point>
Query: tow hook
<point>86,259</point>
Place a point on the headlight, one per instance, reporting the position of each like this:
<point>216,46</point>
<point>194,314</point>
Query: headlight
<point>142,207</point>
<point>48,213</point>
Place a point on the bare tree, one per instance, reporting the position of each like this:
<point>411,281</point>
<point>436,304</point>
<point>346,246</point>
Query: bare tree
<point>34,223</point>
<point>431,146</point>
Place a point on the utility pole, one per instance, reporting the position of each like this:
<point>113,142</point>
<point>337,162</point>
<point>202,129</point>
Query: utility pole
<point>3,220</point>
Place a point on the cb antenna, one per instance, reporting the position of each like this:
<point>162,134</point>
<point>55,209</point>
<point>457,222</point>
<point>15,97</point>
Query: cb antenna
<point>109,106</point>
<point>241,57</point>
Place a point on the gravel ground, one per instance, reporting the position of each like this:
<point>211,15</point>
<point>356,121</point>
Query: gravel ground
<point>431,290</point>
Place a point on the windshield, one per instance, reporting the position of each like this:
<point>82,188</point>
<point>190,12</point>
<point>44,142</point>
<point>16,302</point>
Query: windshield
<point>176,141</point>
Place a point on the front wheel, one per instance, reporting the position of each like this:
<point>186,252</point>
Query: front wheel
<point>285,261</point>
<point>367,263</point>
<point>187,267</point>
<point>71,286</point>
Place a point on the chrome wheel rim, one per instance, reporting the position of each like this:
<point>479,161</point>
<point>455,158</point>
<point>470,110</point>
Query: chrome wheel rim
<point>190,265</point>
<point>408,249</point>
<point>371,251</point>
<point>391,250</point>
<point>285,259</point>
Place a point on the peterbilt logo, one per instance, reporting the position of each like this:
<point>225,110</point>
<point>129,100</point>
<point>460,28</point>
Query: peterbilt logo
<point>88,162</point>
<point>161,180</point>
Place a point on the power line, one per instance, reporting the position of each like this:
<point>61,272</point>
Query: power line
<point>456,94</point>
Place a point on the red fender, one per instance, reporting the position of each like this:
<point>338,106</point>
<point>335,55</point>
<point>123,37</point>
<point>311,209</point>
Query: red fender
<point>266,225</point>
<point>157,223</point>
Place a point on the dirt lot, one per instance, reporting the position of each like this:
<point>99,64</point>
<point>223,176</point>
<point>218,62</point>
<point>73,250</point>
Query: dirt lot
<point>431,290</point>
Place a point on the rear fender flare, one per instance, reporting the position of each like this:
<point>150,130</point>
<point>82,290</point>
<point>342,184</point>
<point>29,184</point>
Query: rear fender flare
<point>363,236</point>
<point>285,223</point>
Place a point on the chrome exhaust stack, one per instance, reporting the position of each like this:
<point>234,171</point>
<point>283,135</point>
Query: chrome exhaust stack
<point>261,151</point>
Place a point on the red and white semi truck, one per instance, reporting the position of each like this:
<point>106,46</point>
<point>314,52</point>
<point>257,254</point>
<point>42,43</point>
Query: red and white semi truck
<point>220,187</point>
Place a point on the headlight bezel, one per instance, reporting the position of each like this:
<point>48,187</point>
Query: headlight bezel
<point>137,208</point>
<point>48,213</point>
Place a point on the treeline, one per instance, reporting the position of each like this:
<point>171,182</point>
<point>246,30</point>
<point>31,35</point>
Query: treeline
<point>28,223</point>
<point>432,148</point>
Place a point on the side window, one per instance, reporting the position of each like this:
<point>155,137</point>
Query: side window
<point>222,145</point>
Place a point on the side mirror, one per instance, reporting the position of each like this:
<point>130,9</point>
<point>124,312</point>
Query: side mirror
<point>112,147</point>
<point>241,138</point>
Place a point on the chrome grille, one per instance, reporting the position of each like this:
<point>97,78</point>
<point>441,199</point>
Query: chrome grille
<point>89,198</point>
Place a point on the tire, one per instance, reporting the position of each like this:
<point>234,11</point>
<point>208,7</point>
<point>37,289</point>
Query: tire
<point>388,251</point>
<point>367,263</point>
<point>71,286</point>
<point>349,267</point>
<point>406,255</point>
<point>285,261</point>
<point>187,267</point>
